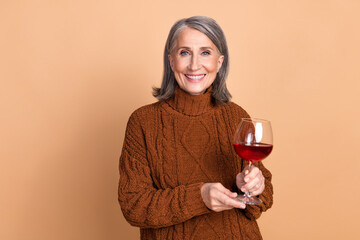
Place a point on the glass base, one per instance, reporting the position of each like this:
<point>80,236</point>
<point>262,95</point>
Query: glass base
<point>248,199</point>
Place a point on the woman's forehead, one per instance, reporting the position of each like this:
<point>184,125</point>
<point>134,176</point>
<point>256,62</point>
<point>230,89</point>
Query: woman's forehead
<point>190,37</point>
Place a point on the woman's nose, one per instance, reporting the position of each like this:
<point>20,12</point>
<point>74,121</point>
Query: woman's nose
<point>195,63</point>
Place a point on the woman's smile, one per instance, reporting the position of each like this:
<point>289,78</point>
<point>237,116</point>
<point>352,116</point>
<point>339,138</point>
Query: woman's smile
<point>195,77</point>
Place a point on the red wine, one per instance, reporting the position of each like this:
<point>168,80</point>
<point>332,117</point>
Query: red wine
<point>253,152</point>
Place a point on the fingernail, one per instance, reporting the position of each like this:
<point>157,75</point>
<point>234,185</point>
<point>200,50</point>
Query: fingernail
<point>246,179</point>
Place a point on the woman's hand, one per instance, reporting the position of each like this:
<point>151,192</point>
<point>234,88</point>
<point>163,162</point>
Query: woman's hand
<point>253,181</point>
<point>218,198</point>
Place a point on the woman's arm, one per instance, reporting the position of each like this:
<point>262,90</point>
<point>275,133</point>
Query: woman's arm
<point>143,204</point>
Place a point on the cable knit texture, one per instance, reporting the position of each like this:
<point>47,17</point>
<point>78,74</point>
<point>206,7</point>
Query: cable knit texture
<point>170,149</point>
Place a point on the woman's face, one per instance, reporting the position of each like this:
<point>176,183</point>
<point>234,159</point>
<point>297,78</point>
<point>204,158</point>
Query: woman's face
<point>195,61</point>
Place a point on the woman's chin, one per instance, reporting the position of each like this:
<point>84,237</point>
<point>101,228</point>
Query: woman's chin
<point>195,91</point>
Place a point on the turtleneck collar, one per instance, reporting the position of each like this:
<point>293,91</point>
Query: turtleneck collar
<point>192,105</point>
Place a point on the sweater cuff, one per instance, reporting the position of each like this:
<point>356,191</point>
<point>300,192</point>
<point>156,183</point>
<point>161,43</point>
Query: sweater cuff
<point>193,198</point>
<point>253,212</point>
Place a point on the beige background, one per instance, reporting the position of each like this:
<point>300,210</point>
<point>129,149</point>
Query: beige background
<point>72,72</point>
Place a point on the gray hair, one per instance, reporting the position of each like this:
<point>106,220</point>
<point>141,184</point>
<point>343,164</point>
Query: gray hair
<point>213,31</point>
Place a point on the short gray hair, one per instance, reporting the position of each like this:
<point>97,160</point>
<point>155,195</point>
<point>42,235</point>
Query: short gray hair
<point>213,31</point>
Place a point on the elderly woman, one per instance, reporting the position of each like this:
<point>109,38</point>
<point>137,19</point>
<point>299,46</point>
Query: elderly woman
<point>179,174</point>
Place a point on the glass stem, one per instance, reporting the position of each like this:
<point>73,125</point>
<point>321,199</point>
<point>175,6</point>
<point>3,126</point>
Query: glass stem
<point>247,193</point>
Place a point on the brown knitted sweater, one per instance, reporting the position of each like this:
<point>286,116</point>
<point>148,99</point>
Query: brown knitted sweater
<point>170,149</point>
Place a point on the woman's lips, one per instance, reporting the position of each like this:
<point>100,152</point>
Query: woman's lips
<point>194,77</point>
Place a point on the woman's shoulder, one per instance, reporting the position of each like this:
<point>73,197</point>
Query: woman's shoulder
<point>145,110</point>
<point>144,114</point>
<point>232,108</point>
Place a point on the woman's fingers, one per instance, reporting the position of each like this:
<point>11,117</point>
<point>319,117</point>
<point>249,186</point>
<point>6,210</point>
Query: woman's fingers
<point>233,203</point>
<point>240,180</point>
<point>258,191</point>
<point>218,198</point>
<point>252,174</point>
<point>229,193</point>
<point>255,182</point>
<point>228,198</point>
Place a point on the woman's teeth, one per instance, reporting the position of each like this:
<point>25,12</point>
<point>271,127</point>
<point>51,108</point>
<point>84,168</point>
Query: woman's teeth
<point>195,77</point>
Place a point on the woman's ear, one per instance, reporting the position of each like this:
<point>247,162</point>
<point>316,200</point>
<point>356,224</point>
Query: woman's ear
<point>220,61</point>
<point>171,61</point>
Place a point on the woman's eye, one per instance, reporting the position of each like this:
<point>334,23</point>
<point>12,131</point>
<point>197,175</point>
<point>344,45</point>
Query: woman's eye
<point>206,53</point>
<point>184,53</point>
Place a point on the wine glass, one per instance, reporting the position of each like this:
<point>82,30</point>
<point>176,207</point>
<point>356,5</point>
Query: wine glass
<point>253,142</point>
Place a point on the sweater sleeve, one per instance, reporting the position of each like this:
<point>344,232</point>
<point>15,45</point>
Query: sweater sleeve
<point>143,204</point>
<point>254,211</point>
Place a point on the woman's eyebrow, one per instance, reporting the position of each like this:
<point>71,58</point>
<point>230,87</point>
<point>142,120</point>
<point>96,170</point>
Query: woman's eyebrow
<point>183,47</point>
<point>188,48</point>
<point>206,48</point>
